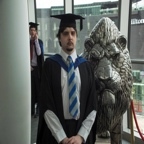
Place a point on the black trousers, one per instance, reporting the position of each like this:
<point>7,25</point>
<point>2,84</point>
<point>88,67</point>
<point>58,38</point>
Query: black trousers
<point>35,89</point>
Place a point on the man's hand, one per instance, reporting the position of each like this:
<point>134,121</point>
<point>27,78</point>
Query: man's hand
<point>36,36</point>
<point>64,141</point>
<point>75,140</point>
<point>32,68</point>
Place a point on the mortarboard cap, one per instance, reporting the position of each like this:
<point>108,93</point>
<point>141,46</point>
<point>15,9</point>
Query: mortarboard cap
<point>33,25</point>
<point>69,20</point>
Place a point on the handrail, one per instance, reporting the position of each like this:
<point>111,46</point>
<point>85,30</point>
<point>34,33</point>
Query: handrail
<point>137,61</point>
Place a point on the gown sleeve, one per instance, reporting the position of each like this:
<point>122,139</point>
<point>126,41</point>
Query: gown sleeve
<point>46,100</point>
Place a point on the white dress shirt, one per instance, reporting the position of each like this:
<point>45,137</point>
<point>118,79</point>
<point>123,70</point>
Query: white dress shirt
<point>38,51</point>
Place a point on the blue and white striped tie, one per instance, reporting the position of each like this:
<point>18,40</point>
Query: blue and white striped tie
<point>73,102</point>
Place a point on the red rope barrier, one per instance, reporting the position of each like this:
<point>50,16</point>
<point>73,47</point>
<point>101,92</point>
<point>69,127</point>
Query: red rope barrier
<point>132,106</point>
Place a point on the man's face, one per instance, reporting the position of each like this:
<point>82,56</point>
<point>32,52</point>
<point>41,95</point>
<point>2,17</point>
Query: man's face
<point>68,40</point>
<point>33,32</point>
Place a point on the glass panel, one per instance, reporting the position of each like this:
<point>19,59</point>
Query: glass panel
<point>138,95</point>
<point>48,26</point>
<point>137,30</point>
<point>137,52</point>
<point>93,11</point>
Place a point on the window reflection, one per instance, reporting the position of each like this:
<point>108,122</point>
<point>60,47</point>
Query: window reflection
<point>138,94</point>
<point>137,30</point>
<point>93,11</point>
<point>137,53</point>
<point>42,4</point>
<point>48,26</point>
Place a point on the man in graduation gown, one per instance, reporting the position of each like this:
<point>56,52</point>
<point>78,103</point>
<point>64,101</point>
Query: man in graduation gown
<point>37,59</point>
<point>58,121</point>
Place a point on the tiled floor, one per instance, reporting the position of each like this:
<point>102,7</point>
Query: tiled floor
<point>107,141</point>
<point>34,133</point>
<point>102,141</point>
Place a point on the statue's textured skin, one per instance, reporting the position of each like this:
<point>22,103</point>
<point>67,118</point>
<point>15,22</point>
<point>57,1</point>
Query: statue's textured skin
<point>106,50</point>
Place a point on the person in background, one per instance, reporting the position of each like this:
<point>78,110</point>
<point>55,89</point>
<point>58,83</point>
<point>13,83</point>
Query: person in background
<point>36,61</point>
<point>68,96</point>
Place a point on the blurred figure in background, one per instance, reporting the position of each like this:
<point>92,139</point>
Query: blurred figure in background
<point>36,61</point>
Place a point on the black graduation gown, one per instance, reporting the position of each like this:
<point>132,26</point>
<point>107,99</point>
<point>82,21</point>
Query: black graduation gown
<point>40,58</point>
<point>36,77</point>
<point>51,98</point>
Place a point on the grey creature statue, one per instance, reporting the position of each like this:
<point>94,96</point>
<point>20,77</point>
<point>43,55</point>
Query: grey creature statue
<point>106,50</point>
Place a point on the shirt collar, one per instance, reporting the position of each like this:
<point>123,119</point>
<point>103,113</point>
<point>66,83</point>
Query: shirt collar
<point>65,55</point>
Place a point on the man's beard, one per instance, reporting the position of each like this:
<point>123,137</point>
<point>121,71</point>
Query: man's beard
<point>69,50</point>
